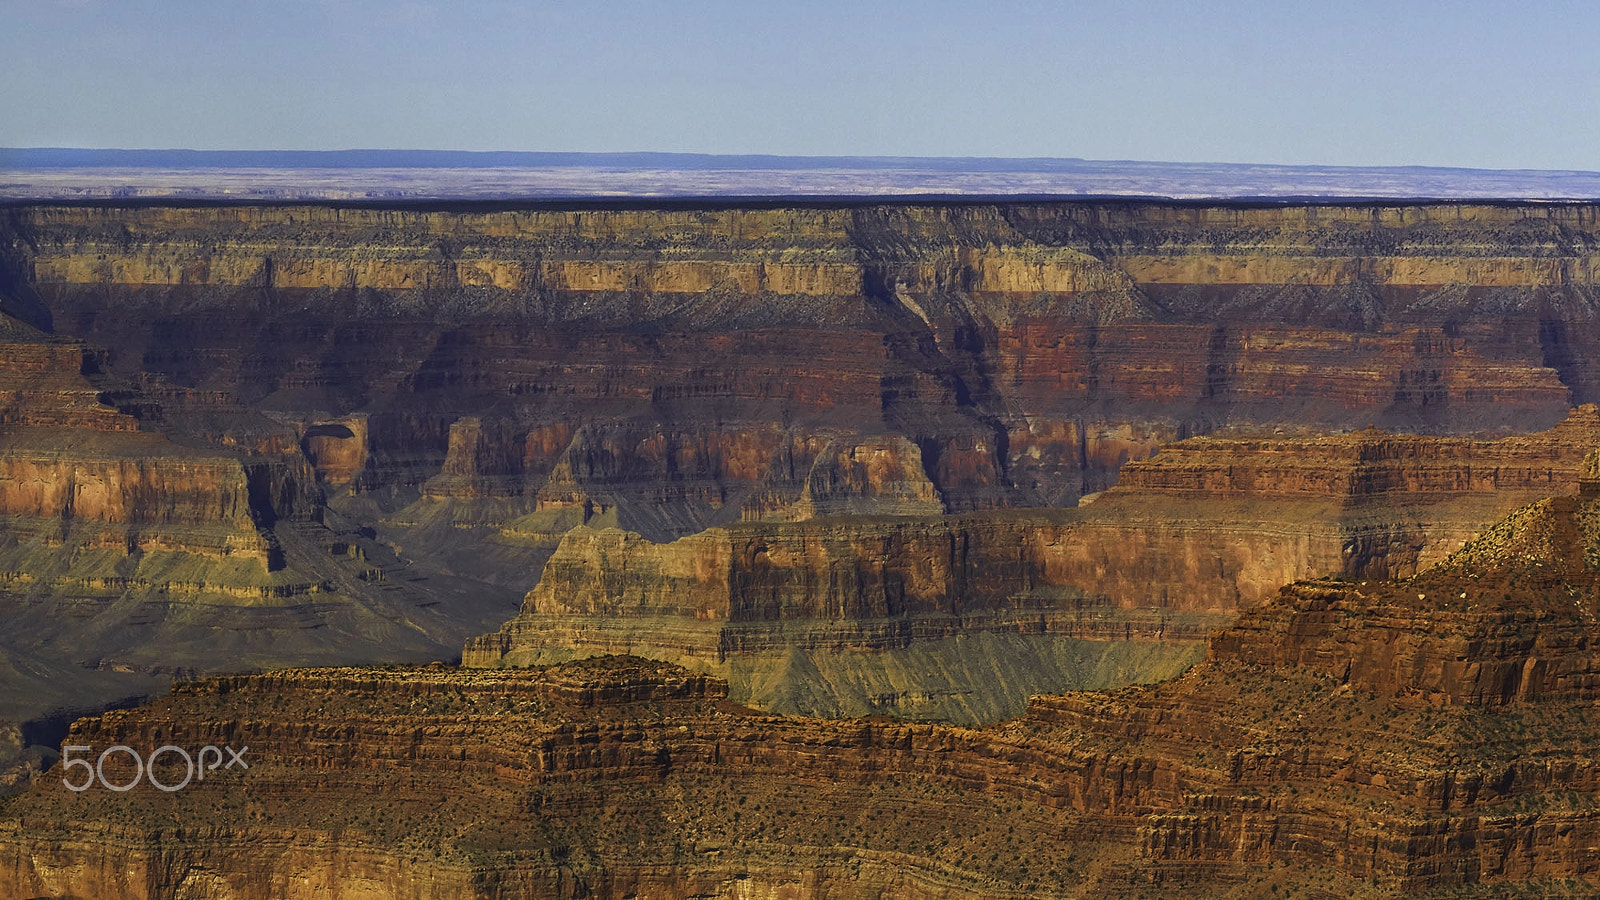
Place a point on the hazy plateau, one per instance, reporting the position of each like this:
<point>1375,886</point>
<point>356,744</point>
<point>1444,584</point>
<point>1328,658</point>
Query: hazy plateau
<point>46,174</point>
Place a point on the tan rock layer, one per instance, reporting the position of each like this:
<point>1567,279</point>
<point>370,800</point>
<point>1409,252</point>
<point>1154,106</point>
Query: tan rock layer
<point>819,250</point>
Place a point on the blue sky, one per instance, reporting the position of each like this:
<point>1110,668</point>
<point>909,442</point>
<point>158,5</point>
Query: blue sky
<point>1487,84</point>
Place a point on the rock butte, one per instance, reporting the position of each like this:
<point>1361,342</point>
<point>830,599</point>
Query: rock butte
<point>1367,504</point>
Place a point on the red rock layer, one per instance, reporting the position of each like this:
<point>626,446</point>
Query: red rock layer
<point>1367,467</point>
<point>72,450</point>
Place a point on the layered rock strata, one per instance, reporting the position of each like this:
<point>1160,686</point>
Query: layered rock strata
<point>1399,503</point>
<point>1208,526</point>
<point>1425,737</point>
<point>470,385</point>
<point>147,530</point>
<point>1026,350</point>
<point>747,600</point>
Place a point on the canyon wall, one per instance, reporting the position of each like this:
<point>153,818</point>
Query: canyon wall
<point>834,458</point>
<point>675,367</point>
<point>417,408</point>
<point>1421,737</point>
<point>1027,350</point>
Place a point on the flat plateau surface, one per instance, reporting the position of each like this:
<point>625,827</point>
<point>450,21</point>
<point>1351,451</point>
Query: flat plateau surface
<point>45,174</point>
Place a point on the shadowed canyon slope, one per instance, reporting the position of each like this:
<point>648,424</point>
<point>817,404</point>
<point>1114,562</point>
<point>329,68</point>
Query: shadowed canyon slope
<point>147,532</point>
<point>1424,737</point>
<point>1025,349</point>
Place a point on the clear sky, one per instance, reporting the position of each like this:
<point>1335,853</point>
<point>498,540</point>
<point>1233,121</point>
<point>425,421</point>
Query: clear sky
<point>1342,82</point>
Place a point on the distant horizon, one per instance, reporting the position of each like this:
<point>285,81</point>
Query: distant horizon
<point>407,176</point>
<point>413,157</point>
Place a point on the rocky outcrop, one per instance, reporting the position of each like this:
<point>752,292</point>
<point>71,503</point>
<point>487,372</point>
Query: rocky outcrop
<point>658,481</point>
<point>1506,620</point>
<point>847,572</point>
<point>337,450</point>
<point>1425,737</point>
<point>1334,504</point>
<point>1396,503</point>
<point>742,599</point>
<point>634,778</point>
<point>1207,527</point>
<point>881,475</point>
<point>73,450</point>
<point>42,383</point>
